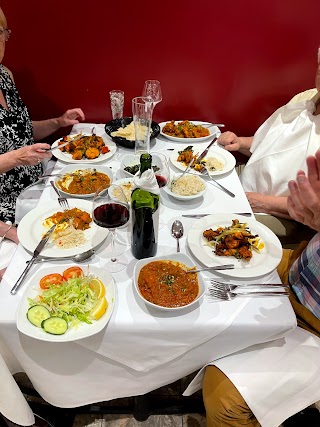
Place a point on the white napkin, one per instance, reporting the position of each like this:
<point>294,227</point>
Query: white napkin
<point>282,143</point>
<point>147,181</point>
<point>276,379</point>
<point>12,403</point>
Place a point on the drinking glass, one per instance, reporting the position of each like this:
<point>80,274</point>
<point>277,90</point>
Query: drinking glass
<point>111,210</point>
<point>116,101</point>
<point>161,169</point>
<point>152,88</point>
<point>142,115</point>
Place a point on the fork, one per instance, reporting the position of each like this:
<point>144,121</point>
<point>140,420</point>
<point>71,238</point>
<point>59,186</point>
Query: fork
<point>232,287</point>
<point>63,202</point>
<point>228,295</point>
<point>206,173</point>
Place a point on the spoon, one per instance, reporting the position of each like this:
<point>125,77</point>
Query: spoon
<point>177,232</point>
<point>76,258</point>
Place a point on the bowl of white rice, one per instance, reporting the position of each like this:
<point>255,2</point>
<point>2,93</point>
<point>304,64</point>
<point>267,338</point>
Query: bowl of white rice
<point>187,187</point>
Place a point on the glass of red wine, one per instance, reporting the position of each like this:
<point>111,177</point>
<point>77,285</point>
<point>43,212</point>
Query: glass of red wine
<point>161,169</point>
<point>111,210</point>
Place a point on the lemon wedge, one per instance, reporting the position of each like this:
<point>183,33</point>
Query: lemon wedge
<point>98,288</point>
<point>99,309</point>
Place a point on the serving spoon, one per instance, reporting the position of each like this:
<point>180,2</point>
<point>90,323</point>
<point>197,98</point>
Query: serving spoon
<point>76,258</point>
<point>177,232</point>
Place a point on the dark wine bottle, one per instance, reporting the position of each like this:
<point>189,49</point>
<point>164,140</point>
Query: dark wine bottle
<point>145,211</point>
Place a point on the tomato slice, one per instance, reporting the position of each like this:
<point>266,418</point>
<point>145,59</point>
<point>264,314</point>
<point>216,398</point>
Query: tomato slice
<point>51,279</point>
<point>72,273</point>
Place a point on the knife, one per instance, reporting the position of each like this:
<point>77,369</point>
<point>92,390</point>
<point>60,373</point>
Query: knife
<point>217,267</point>
<point>36,253</point>
<point>205,152</point>
<point>65,143</point>
<point>202,215</point>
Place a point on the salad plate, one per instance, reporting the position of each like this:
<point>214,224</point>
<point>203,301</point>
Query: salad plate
<point>83,330</point>
<point>67,158</point>
<point>213,131</point>
<point>260,263</point>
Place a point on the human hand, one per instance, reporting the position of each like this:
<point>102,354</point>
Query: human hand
<point>71,117</point>
<point>230,141</point>
<point>31,154</point>
<point>304,198</point>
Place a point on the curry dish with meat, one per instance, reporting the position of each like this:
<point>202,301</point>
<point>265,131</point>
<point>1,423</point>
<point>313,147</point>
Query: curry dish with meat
<point>75,217</point>
<point>86,181</point>
<point>236,240</point>
<point>166,283</point>
<point>185,129</point>
<point>85,147</point>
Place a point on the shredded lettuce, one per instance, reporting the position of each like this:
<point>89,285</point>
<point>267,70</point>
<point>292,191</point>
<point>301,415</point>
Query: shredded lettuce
<point>72,300</point>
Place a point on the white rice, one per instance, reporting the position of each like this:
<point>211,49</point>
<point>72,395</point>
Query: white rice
<point>69,238</point>
<point>188,185</point>
<point>213,164</point>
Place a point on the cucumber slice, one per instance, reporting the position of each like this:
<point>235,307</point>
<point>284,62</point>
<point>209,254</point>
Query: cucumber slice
<point>54,325</point>
<point>37,314</point>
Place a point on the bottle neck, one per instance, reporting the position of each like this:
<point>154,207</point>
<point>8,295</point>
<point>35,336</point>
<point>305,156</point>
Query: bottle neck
<point>145,162</point>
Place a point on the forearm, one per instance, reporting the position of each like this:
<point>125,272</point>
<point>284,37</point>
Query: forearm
<point>43,128</point>
<point>8,161</point>
<point>272,205</point>
<point>10,232</point>
<point>245,144</point>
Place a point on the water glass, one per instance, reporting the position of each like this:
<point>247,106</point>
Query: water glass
<point>116,101</point>
<point>142,117</point>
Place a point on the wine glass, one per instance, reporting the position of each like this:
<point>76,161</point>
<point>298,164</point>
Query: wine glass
<point>152,89</point>
<point>111,210</point>
<point>161,169</point>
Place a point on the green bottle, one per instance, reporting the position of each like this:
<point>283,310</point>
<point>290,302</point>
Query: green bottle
<point>145,211</point>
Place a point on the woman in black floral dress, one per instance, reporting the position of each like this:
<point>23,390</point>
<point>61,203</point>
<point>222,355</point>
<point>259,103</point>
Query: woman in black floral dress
<point>20,157</point>
<point>22,167</point>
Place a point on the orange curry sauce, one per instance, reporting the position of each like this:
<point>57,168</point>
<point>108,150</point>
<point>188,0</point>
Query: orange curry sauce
<point>166,283</point>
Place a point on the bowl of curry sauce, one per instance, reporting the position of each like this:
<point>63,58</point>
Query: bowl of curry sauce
<point>164,282</point>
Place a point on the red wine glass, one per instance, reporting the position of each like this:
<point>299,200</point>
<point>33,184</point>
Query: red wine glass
<point>111,210</point>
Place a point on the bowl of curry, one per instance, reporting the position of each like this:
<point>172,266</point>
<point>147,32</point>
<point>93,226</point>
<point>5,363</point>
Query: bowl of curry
<point>83,181</point>
<point>164,282</point>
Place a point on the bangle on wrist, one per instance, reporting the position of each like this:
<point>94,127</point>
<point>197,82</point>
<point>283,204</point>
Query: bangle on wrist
<point>7,231</point>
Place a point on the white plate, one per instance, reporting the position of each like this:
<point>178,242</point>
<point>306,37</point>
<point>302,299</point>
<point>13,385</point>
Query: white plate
<point>213,131</point>
<point>219,153</point>
<point>122,181</point>
<point>31,230</point>
<point>84,330</point>
<point>260,263</point>
<point>184,198</point>
<point>67,158</point>
<point>179,257</point>
<point>71,168</point>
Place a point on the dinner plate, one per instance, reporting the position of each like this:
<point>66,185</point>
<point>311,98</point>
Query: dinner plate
<point>84,330</point>
<point>75,167</point>
<point>67,158</point>
<point>260,263</point>
<point>213,131</point>
<point>31,230</point>
<point>122,181</point>
<point>219,153</point>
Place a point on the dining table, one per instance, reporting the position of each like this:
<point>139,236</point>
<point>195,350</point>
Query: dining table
<point>141,348</point>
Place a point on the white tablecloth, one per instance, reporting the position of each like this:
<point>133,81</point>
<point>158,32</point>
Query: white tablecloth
<point>141,350</point>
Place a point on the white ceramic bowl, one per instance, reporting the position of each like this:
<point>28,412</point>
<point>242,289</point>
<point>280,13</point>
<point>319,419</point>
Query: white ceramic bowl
<point>179,257</point>
<point>74,167</point>
<point>167,189</point>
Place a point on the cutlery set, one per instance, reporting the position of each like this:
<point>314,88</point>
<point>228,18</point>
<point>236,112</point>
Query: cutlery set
<point>228,292</point>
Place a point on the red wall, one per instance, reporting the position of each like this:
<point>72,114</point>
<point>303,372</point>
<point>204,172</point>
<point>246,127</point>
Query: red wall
<point>230,61</point>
